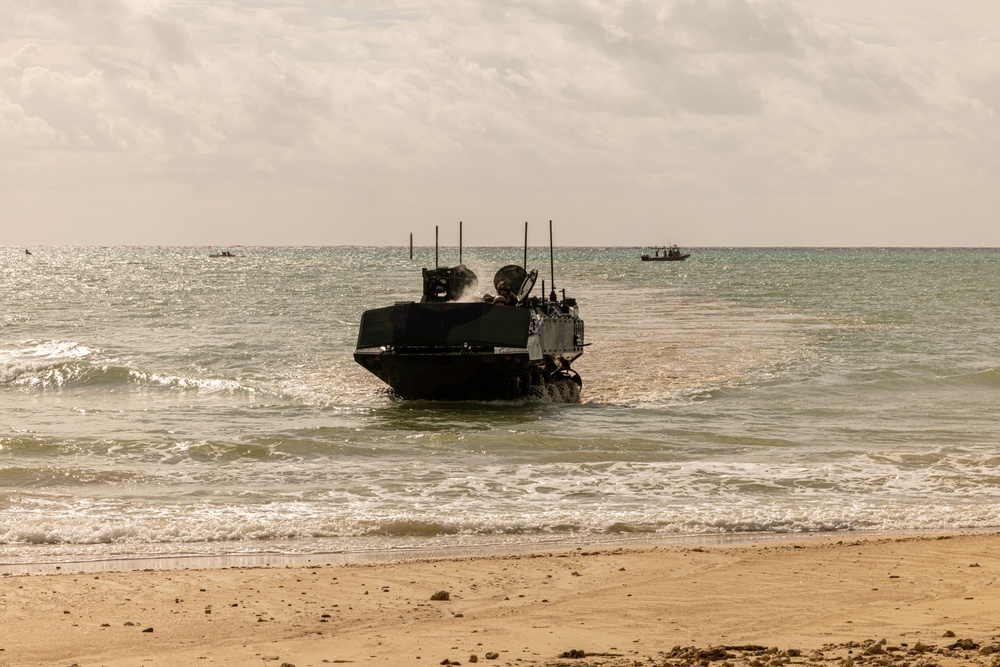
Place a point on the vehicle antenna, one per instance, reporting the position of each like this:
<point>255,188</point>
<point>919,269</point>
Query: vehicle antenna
<point>552,266</point>
<point>459,241</point>
<point>435,246</point>
<point>525,245</point>
<point>411,245</point>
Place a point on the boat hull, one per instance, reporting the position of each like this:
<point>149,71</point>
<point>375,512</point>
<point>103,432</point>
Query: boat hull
<point>675,258</point>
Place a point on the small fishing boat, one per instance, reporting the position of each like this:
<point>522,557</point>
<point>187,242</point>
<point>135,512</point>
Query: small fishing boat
<point>224,253</point>
<point>665,254</point>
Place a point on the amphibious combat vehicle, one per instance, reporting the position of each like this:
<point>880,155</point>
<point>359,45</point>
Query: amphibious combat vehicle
<point>454,344</point>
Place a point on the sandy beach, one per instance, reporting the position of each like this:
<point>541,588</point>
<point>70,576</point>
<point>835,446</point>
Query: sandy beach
<point>899,600</point>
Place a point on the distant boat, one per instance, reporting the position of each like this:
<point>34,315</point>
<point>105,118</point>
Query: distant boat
<point>665,254</point>
<point>224,253</point>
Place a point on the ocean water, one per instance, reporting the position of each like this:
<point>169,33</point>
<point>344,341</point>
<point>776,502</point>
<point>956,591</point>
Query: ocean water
<point>156,401</point>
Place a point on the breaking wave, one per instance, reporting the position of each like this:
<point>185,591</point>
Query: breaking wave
<point>65,364</point>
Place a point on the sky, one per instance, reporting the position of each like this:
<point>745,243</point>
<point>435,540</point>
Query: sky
<point>625,122</point>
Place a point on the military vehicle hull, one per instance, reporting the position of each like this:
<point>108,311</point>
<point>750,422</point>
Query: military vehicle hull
<point>451,376</point>
<point>472,351</point>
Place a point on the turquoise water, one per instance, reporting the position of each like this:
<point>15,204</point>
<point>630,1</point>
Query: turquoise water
<point>158,401</point>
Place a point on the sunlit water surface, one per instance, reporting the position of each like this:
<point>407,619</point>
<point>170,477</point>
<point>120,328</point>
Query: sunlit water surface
<point>158,401</point>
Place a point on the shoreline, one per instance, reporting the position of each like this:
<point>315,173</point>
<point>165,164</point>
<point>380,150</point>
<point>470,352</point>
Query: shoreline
<point>906,599</point>
<point>404,550</point>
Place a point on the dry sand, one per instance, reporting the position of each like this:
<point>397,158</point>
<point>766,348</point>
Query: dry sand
<point>842,601</point>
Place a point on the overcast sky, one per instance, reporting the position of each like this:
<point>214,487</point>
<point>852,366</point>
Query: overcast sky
<point>309,122</point>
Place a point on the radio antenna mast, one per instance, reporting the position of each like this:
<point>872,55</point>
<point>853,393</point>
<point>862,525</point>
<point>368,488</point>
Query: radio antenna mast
<point>552,266</point>
<point>525,245</point>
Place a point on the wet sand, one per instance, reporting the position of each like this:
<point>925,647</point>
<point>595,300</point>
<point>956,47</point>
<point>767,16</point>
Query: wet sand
<point>899,600</point>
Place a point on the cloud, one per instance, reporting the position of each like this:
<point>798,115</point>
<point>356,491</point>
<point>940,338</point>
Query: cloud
<point>390,111</point>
